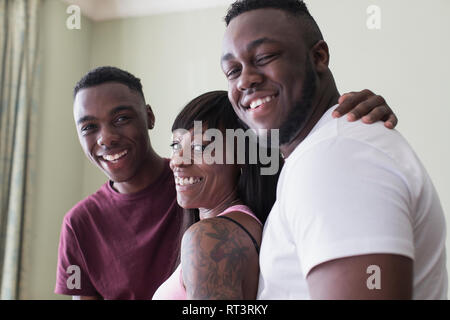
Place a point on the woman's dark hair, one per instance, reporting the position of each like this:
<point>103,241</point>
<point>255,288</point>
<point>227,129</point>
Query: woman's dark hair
<point>214,109</point>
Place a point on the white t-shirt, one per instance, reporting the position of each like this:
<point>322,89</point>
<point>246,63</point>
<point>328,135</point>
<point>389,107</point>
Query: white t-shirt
<point>352,189</point>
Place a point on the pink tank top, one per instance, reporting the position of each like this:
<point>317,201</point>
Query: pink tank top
<point>173,288</point>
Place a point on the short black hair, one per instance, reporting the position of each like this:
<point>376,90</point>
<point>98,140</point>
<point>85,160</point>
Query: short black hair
<point>105,74</point>
<point>296,8</point>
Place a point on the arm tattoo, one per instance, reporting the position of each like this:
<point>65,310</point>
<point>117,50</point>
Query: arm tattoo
<point>214,255</point>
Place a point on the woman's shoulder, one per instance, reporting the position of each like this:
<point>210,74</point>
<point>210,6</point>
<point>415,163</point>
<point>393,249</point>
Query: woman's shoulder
<point>209,230</point>
<point>215,257</point>
<point>228,235</point>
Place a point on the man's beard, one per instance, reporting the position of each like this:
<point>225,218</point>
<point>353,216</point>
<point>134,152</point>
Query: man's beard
<point>298,117</point>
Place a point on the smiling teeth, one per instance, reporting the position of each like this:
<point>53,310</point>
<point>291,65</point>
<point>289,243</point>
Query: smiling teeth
<point>186,181</point>
<point>114,157</point>
<point>258,102</point>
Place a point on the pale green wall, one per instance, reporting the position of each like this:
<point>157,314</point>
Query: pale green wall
<point>57,185</point>
<point>177,57</point>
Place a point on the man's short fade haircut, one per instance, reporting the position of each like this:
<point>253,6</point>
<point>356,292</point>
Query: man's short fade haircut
<point>296,8</point>
<point>105,74</point>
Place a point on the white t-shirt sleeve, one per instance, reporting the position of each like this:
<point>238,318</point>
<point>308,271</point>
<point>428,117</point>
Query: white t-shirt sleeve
<point>344,198</point>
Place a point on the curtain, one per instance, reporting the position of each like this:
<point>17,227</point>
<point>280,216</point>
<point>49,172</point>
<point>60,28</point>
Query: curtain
<point>18,52</point>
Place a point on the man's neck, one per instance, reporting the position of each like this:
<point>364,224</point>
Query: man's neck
<point>322,102</point>
<point>152,168</point>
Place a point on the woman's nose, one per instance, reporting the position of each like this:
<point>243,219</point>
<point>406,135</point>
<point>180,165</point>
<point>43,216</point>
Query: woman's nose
<point>180,158</point>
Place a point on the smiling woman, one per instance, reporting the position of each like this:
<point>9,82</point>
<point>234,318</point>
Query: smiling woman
<point>219,255</point>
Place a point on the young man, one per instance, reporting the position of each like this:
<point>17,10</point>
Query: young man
<point>121,242</point>
<point>352,200</point>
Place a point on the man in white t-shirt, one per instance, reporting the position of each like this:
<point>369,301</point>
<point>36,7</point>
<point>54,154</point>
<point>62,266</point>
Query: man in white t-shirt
<point>356,216</point>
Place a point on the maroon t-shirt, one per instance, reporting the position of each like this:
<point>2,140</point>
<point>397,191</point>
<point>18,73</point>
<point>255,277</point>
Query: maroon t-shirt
<point>120,246</point>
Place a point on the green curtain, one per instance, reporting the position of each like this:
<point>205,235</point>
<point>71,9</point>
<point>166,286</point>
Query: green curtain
<point>18,65</point>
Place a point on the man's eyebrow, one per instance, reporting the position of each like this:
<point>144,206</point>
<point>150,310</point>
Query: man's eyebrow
<point>121,108</point>
<point>112,112</point>
<point>226,57</point>
<point>252,45</point>
<point>85,119</point>
<point>255,43</point>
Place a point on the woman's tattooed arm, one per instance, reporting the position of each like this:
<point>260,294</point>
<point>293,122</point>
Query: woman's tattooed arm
<point>214,256</point>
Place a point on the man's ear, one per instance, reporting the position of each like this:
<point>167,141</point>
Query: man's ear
<point>320,56</point>
<point>150,116</point>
